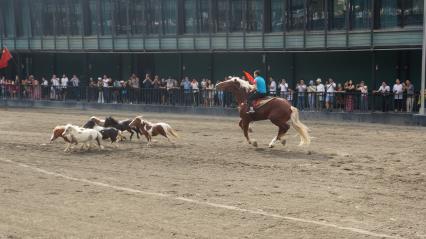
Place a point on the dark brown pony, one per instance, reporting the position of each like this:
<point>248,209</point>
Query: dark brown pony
<point>278,111</point>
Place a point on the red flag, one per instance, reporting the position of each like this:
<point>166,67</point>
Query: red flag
<point>5,57</point>
<point>249,77</point>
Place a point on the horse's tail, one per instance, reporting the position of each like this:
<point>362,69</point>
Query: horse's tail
<point>301,129</point>
<point>171,131</point>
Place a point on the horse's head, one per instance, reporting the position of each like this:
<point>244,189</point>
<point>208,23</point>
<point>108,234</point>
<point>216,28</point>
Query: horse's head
<point>136,122</point>
<point>89,124</point>
<point>57,132</point>
<point>96,120</point>
<point>109,121</point>
<point>234,84</point>
<point>68,129</point>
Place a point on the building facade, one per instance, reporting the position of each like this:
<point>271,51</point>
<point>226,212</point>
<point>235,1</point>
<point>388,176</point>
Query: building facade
<point>370,40</point>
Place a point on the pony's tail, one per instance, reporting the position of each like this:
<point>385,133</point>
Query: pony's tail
<point>301,129</point>
<point>171,131</point>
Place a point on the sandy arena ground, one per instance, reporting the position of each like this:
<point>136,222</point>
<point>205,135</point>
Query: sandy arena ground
<point>354,181</point>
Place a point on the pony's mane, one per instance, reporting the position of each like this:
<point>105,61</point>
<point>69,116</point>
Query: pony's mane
<point>243,84</point>
<point>114,121</point>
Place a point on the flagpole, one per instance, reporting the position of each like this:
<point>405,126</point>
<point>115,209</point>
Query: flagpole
<point>422,91</point>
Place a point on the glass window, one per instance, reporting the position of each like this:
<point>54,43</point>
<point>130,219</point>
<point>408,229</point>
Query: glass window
<point>76,16</point>
<point>120,17</point>
<point>48,17</point>
<point>360,14</point>
<point>222,10</point>
<point>337,13</point>
<point>296,15</point>
<point>169,16</point>
<point>22,22</point>
<point>203,16</point>
<point>189,13</point>
<point>61,25</point>
<point>153,16</point>
<point>390,14</point>
<point>36,17</point>
<point>413,12</point>
<point>137,16</point>
<point>91,21</point>
<point>236,15</point>
<point>316,15</point>
<point>106,17</point>
<point>277,15</point>
<point>254,16</point>
<point>6,12</point>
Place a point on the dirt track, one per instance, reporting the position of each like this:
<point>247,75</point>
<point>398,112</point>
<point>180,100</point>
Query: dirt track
<point>356,176</point>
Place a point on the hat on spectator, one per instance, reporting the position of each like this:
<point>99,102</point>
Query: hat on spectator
<point>319,80</point>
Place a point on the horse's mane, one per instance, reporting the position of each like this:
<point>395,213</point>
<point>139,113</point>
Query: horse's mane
<point>114,121</point>
<point>243,84</point>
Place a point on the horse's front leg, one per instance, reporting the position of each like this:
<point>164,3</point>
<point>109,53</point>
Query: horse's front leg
<point>245,126</point>
<point>131,133</point>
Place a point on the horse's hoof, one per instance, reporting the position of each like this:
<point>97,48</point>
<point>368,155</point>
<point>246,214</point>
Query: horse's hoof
<point>284,142</point>
<point>254,143</point>
<point>271,146</point>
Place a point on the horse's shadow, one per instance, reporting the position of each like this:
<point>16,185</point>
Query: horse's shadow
<point>289,154</point>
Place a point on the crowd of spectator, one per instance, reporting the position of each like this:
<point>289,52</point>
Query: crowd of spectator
<point>314,96</point>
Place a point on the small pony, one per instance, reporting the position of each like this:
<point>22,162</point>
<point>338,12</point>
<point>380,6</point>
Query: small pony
<point>123,125</point>
<point>150,129</point>
<point>107,132</point>
<point>82,135</point>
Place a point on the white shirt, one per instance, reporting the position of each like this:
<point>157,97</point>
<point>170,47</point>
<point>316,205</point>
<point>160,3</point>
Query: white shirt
<point>170,83</point>
<point>64,81</point>
<point>55,81</point>
<point>284,87</point>
<point>75,82</point>
<point>194,86</point>
<point>331,87</point>
<point>320,88</point>
<point>384,89</point>
<point>273,87</point>
<point>398,90</point>
<point>105,82</point>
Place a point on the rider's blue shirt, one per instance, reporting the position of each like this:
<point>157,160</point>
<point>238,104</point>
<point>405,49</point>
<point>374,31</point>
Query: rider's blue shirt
<point>260,84</point>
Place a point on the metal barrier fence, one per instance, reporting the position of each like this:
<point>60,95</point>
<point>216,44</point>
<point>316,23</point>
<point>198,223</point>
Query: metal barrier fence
<point>337,101</point>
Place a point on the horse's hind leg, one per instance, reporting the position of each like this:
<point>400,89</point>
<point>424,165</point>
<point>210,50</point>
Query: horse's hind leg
<point>99,143</point>
<point>282,129</point>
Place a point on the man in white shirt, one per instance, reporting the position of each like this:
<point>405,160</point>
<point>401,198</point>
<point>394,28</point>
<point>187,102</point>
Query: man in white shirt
<point>384,91</point>
<point>329,99</point>
<point>54,89</point>
<point>74,83</point>
<point>320,94</point>
<point>272,87</point>
<point>64,81</point>
<point>398,91</point>
<point>64,84</point>
<point>301,89</point>
<point>283,88</point>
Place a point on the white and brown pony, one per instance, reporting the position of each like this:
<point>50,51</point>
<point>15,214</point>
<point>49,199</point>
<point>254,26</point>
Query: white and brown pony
<point>81,135</point>
<point>58,133</point>
<point>153,129</point>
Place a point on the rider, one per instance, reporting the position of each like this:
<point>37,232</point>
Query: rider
<point>258,92</point>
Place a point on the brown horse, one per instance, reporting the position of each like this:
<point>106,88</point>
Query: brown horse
<point>277,110</point>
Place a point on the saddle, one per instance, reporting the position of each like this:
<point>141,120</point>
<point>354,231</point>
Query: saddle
<point>261,102</point>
